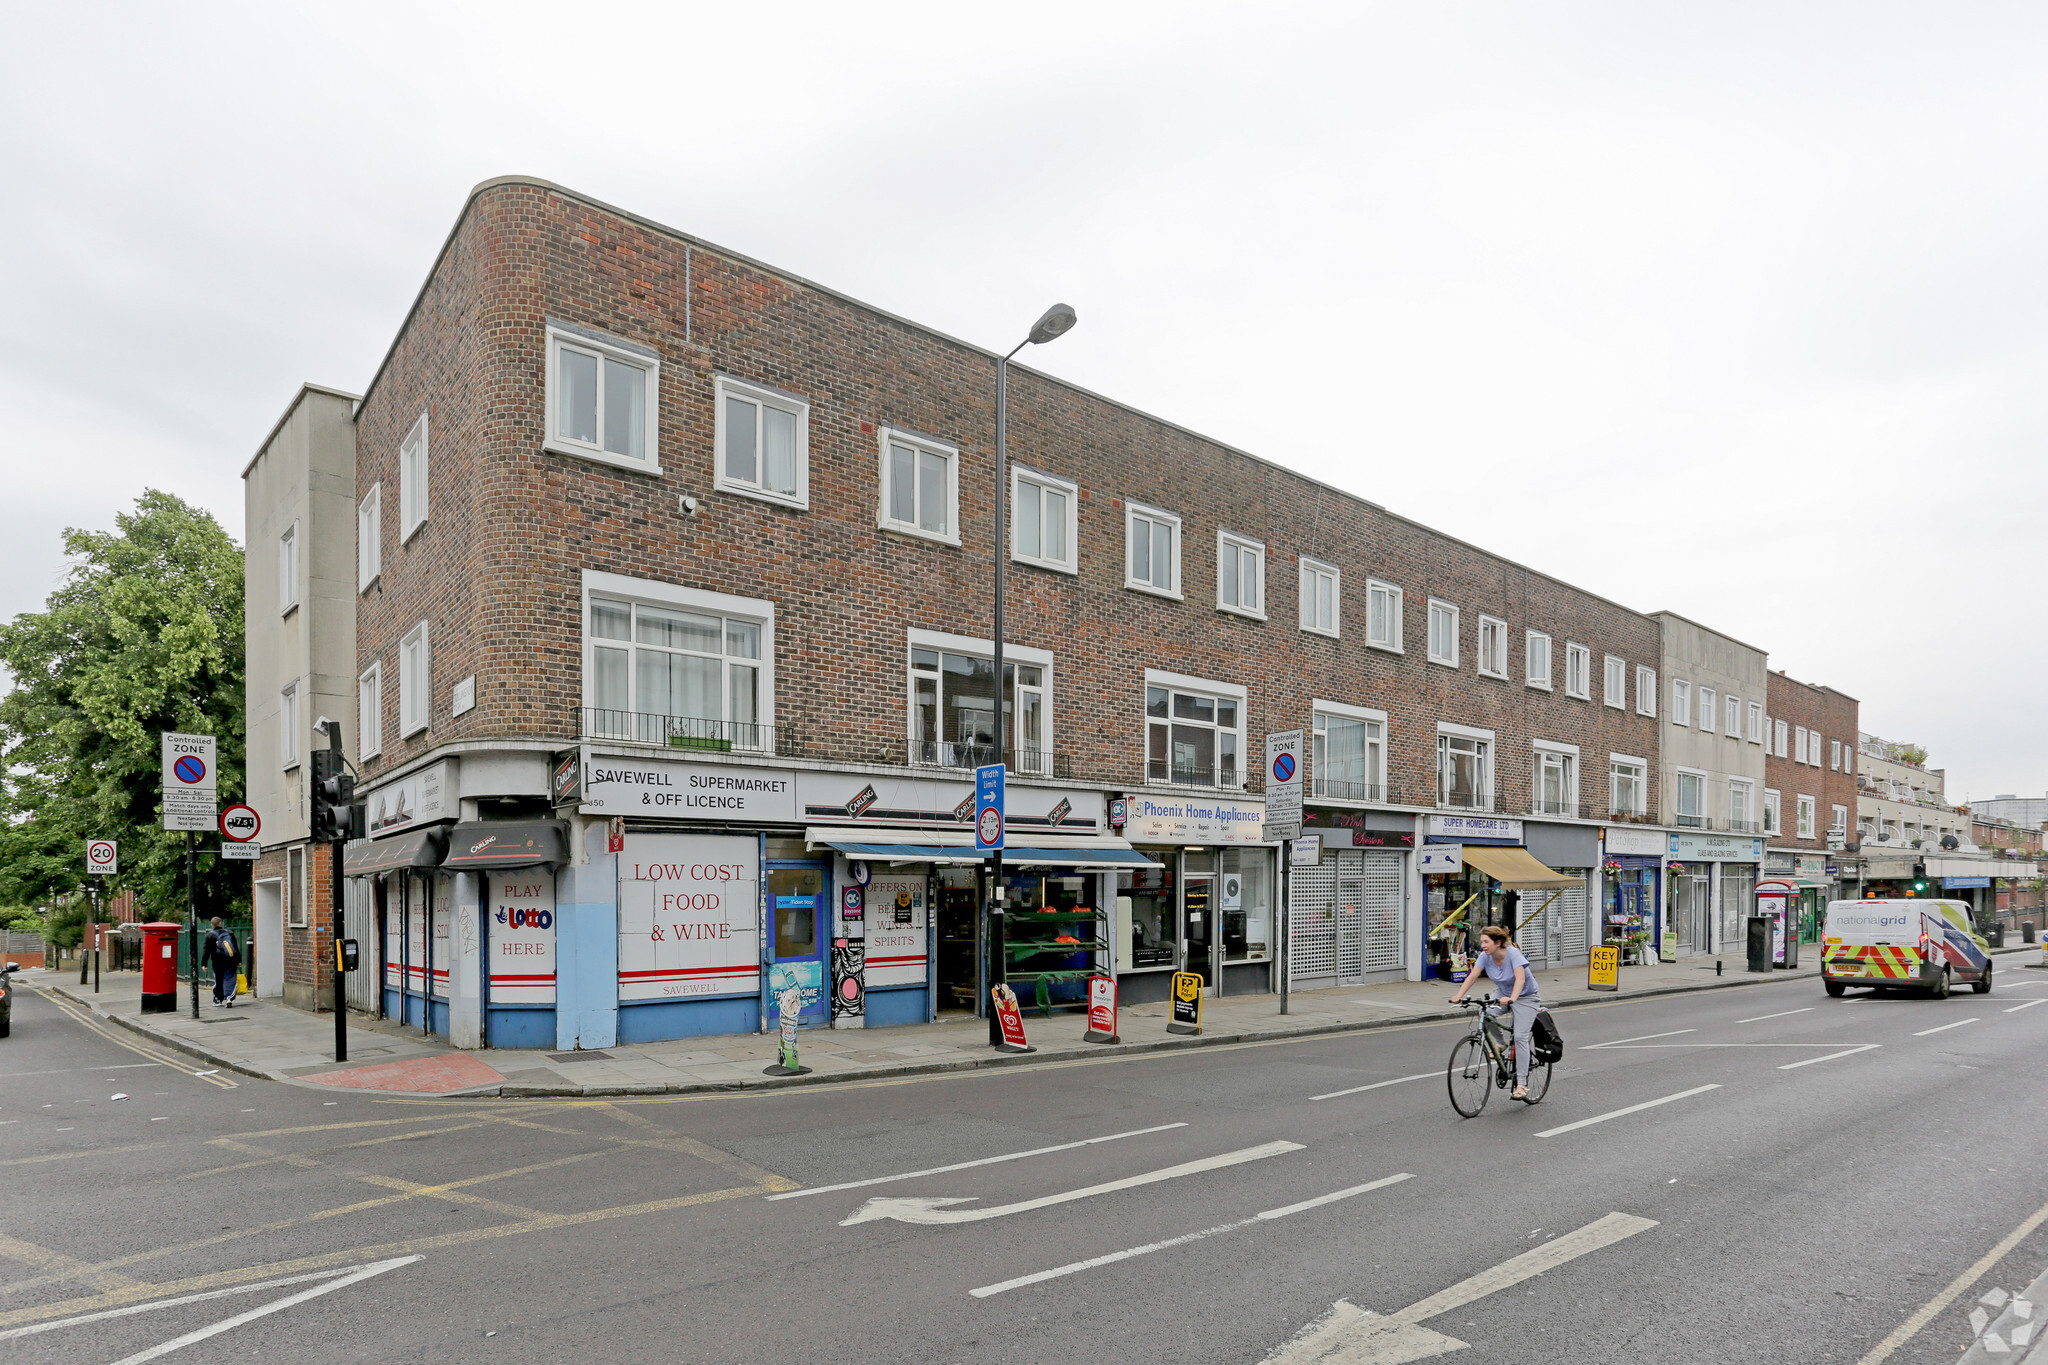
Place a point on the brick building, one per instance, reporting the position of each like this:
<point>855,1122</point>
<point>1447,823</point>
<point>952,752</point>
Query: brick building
<point>673,582</point>
<point>1810,792</point>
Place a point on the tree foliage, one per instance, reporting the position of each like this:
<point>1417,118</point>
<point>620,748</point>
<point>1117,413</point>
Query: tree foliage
<point>144,636</point>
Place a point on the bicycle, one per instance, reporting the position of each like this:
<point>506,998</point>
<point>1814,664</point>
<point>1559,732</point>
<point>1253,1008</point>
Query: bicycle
<point>1487,1043</point>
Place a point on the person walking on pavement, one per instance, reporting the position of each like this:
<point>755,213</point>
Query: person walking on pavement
<point>221,954</point>
<point>1513,985</point>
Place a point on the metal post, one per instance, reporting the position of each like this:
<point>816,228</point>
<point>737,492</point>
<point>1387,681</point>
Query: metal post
<point>99,938</point>
<point>192,915</point>
<point>1286,914</point>
<point>999,952</point>
<point>340,977</point>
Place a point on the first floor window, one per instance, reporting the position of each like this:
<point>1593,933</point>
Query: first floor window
<point>1646,691</point>
<point>288,726</point>
<point>1493,647</point>
<point>1707,715</point>
<point>1443,633</point>
<point>603,398</point>
<point>1578,671</point>
<point>1154,561</point>
<point>763,443</point>
<point>919,481</point>
<point>1734,727</point>
<point>667,675</point>
<point>1318,597</point>
<point>1556,781</point>
<point>1806,806</point>
<point>1192,738</point>
<point>1834,755</point>
<point>370,710</point>
<point>1628,792</point>
<point>1771,825</point>
<point>1349,756</point>
<point>1536,658</point>
<point>1681,702</point>
<point>1799,744</point>
<point>1840,823</point>
<point>1756,722</point>
<point>1741,797</point>
<point>1042,523</point>
<point>295,888</point>
<point>953,712</point>
<point>1464,766</point>
<point>415,681</point>
<point>1240,574</point>
<point>1382,615</point>
<point>1692,799</point>
<point>1616,693</point>
<point>1783,735</point>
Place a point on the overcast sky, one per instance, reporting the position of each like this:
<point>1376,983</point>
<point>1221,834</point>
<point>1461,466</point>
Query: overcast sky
<point>1735,310</point>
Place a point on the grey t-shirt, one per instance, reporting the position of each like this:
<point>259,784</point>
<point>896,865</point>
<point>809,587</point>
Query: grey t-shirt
<point>1503,972</point>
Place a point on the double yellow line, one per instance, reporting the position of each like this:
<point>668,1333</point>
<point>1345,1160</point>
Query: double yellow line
<point>84,1018</point>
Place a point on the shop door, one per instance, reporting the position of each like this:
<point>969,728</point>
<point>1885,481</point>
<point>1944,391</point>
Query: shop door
<point>798,901</point>
<point>1386,905</point>
<point>1692,910</point>
<point>1198,928</point>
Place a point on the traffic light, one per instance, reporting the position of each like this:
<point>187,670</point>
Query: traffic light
<point>335,815</point>
<point>1919,879</point>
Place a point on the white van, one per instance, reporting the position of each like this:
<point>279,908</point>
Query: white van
<point>1903,944</point>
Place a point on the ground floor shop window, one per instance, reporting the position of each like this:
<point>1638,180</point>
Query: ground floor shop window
<point>1147,913</point>
<point>959,935</point>
<point>1629,919</point>
<point>1245,901</point>
<point>1053,931</point>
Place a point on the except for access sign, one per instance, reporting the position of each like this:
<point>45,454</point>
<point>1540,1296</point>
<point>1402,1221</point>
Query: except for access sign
<point>988,807</point>
<point>101,857</point>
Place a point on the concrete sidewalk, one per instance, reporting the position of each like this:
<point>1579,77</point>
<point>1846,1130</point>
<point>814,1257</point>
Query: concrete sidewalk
<point>268,1040</point>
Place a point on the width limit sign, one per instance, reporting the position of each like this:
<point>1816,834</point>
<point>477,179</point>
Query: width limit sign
<point>191,791</point>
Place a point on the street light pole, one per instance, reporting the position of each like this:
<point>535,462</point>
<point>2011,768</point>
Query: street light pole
<point>1056,322</point>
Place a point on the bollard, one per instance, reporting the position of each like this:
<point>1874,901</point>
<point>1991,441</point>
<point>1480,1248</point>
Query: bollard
<point>1717,966</point>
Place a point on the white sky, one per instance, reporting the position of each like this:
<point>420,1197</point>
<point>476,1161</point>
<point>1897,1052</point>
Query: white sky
<point>1732,309</point>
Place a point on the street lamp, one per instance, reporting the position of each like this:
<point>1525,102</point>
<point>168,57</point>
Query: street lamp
<point>1056,322</point>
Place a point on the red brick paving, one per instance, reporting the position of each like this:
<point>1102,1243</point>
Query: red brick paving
<point>422,1075</point>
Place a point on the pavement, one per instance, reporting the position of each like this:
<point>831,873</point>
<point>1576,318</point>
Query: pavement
<point>269,1040</point>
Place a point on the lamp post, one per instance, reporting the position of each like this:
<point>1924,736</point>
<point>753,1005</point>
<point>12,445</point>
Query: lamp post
<point>1056,322</point>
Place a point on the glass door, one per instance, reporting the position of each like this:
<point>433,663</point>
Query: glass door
<point>1199,937</point>
<point>798,901</point>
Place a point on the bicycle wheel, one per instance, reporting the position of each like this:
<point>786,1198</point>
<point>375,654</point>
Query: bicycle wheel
<point>1539,1082</point>
<point>1469,1077</point>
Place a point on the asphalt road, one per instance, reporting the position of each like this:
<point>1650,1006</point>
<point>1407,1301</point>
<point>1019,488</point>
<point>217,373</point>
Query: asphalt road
<point>1775,1212</point>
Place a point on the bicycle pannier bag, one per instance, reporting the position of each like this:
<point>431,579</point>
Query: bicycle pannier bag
<point>1547,1042</point>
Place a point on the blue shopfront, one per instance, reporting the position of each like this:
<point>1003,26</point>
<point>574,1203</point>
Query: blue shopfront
<point>1634,874</point>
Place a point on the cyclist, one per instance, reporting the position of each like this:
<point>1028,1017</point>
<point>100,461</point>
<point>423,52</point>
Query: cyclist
<point>1514,985</point>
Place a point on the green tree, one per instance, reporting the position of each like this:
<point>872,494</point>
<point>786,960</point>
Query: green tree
<point>144,636</point>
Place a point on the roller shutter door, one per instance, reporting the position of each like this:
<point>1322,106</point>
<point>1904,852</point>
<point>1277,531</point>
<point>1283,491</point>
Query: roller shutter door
<point>1313,931</point>
<point>1385,907</point>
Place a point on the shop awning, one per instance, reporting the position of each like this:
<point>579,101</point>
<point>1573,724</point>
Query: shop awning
<point>420,848</point>
<point>485,844</point>
<point>1099,855</point>
<point>1515,870</point>
<point>902,853</point>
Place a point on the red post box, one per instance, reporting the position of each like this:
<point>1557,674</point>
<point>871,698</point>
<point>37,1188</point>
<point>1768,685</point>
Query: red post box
<point>160,968</point>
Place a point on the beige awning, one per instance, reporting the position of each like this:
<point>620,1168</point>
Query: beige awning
<point>1515,869</point>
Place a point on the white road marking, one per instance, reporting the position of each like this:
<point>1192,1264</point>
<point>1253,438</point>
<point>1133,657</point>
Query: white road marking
<point>934,1211</point>
<point>1944,1028</point>
<point>1847,1052</point>
<point>2029,1005</point>
<point>1348,1335</point>
<point>1639,1038</point>
<point>66,1071</point>
<point>1073,1267</point>
<point>355,1276</point>
<point>13,1332</point>
<point>1376,1085</point>
<point>964,1165</point>
<point>1632,1109</point>
<point>1779,1015</point>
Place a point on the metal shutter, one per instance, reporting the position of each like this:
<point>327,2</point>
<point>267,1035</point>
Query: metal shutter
<point>358,921</point>
<point>1385,910</point>
<point>1350,915</point>
<point>1312,937</point>
<point>1569,918</point>
<point>1532,933</point>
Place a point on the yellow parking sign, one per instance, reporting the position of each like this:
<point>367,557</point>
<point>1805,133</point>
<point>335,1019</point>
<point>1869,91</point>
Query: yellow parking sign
<point>1603,971</point>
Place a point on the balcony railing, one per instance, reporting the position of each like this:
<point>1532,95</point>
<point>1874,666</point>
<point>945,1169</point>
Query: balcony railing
<point>1338,789</point>
<point>938,753</point>
<point>684,732</point>
<point>1745,827</point>
<point>1214,775</point>
<point>1570,810</point>
<point>1693,822</point>
<point>1479,801</point>
<point>1631,815</point>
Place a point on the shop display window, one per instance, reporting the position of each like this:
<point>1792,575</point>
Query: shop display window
<point>1248,919</point>
<point>1145,898</point>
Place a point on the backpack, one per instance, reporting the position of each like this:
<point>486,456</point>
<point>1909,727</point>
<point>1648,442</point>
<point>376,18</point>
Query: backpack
<point>1546,1043</point>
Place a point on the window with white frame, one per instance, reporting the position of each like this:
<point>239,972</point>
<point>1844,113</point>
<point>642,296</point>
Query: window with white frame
<point>288,726</point>
<point>1741,806</point>
<point>370,537</point>
<point>1240,575</point>
<point>1806,808</point>
<point>1628,790</point>
<point>288,569</point>
<point>1578,672</point>
<point>1834,755</point>
<point>1692,799</point>
<point>1756,722</point>
<point>1042,514</point>
<point>1493,647</point>
<point>415,681</point>
<point>1443,633</point>
<point>1707,712</point>
<point>295,906</point>
<point>1536,659</point>
<point>1734,727</point>
<point>1646,690</point>
<point>412,481</point>
<point>763,439</point>
<point>603,400</point>
<point>678,666</point>
<point>1464,767</point>
<point>1839,824</point>
<point>920,483</point>
<point>1554,779</point>
<point>1813,747</point>
<point>1382,615</point>
<point>370,710</point>
<point>1681,702</point>
<point>1799,744</point>
<point>1194,731</point>
<point>1771,805</point>
<point>1784,734</point>
<point>1319,597</point>
<point>1348,753</point>
<point>1152,563</point>
<point>1615,684</point>
<point>953,704</point>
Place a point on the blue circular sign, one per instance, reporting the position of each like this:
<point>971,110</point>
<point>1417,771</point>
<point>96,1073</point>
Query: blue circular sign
<point>1283,768</point>
<point>189,768</point>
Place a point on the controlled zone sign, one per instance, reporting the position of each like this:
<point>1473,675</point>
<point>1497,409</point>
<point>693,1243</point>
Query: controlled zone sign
<point>191,786</point>
<point>1283,784</point>
<point>101,857</point>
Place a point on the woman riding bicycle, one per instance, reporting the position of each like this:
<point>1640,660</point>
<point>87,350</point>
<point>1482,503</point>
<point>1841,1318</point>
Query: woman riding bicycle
<point>1514,985</point>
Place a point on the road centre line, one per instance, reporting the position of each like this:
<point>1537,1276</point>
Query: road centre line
<point>1075,1267</point>
<point>2029,1005</point>
<point>1944,1028</point>
<point>1632,1109</point>
<point>72,1070</point>
<point>964,1165</point>
<point>190,1338</point>
<point>1779,1015</point>
<point>1639,1038</point>
<point>1848,1052</point>
<point>1376,1085</point>
<point>34,1329</point>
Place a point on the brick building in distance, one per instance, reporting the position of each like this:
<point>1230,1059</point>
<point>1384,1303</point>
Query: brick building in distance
<point>1810,791</point>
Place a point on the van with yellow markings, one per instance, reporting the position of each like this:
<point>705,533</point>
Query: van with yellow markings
<point>1903,944</point>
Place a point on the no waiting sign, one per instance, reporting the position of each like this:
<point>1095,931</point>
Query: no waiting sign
<point>101,857</point>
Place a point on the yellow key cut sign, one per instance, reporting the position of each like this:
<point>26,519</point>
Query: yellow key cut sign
<point>1603,970</point>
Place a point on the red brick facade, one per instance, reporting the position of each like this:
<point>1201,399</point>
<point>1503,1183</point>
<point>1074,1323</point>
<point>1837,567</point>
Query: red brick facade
<point>309,927</point>
<point>1830,719</point>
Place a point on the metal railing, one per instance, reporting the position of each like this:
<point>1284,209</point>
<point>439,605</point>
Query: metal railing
<point>1338,789</point>
<point>939,753</point>
<point>1632,816</point>
<point>1479,801</point>
<point>1745,826</point>
<point>683,732</point>
<point>1692,822</point>
<point>1581,810</point>
<point>1213,775</point>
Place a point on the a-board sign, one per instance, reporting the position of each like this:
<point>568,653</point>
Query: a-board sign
<point>1010,1017</point>
<point>101,857</point>
<point>1603,971</point>
<point>1187,1003</point>
<point>1101,1010</point>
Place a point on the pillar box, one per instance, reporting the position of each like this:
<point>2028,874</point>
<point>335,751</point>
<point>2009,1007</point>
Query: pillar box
<point>160,968</point>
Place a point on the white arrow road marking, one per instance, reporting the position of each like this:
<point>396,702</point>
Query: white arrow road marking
<point>1779,1015</point>
<point>1113,1257</point>
<point>927,1210</point>
<point>1349,1335</point>
<point>1639,1038</point>
<point>1944,1028</point>
<point>964,1165</point>
<point>2029,1005</point>
<point>1632,1109</point>
<point>356,1276</point>
<point>1376,1085</point>
<point>1846,1052</point>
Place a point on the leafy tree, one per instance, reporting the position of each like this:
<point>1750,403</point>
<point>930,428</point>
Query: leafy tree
<point>144,636</point>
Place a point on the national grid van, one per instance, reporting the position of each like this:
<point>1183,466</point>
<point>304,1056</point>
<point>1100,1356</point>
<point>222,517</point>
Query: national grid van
<point>1903,944</point>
